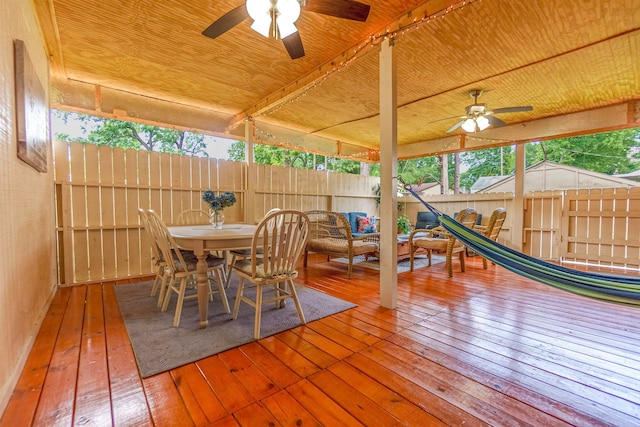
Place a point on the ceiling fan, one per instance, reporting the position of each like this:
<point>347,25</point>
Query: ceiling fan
<point>276,18</point>
<point>478,117</point>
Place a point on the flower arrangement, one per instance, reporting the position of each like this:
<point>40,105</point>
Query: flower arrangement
<point>217,203</point>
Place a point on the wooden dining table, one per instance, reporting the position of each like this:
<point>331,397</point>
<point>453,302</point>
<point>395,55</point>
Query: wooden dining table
<point>201,239</point>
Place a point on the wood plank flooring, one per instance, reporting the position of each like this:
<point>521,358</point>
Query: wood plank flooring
<point>484,348</point>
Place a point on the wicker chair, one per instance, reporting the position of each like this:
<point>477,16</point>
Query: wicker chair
<point>330,234</point>
<point>440,240</point>
<point>492,229</point>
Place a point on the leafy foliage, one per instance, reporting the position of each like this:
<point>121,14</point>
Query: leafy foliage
<point>117,133</point>
<point>610,152</point>
<point>277,156</point>
<point>404,225</point>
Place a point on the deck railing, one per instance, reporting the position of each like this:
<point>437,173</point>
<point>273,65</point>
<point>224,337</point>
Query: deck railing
<point>99,189</point>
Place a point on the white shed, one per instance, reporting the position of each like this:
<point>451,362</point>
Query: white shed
<point>548,175</point>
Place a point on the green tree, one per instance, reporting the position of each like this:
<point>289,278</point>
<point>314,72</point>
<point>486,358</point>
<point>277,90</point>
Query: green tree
<point>117,133</point>
<point>487,162</point>
<point>278,156</point>
<point>414,171</point>
<point>271,155</point>
<point>610,152</point>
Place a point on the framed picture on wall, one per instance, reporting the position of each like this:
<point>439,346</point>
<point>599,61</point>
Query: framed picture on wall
<point>32,114</point>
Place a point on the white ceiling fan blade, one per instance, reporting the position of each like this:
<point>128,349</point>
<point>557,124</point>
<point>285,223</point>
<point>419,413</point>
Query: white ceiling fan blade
<point>456,126</point>
<point>449,118</point>
<point>495,122</point>
<point>511,109</point>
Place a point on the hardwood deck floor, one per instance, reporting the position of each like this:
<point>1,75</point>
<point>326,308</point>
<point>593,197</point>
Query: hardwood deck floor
<point>486,347</point>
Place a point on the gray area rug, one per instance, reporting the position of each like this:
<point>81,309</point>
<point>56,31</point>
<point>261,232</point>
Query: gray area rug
<point>420,261</point>
<point>158,346</point>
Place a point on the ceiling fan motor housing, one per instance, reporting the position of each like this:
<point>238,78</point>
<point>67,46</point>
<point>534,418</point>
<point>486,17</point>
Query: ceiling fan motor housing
<point>476,109</point>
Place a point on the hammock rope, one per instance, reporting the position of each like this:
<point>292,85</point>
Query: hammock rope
<point>607,287</point>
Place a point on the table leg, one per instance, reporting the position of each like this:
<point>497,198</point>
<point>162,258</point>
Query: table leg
<point>203,289</point>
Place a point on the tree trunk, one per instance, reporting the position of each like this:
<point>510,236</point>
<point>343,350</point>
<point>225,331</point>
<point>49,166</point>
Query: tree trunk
<point>456,176</point>
<point>444,174</point>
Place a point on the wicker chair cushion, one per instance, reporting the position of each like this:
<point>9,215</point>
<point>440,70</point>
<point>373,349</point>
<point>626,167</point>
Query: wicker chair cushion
<point>434,243</point>
<point>340,246</point>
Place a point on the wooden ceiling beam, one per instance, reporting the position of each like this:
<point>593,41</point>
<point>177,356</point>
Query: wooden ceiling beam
<point>87,98</point>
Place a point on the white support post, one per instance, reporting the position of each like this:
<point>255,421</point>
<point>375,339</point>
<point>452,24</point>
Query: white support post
<point>250,200</point>
<point>388,177</point>
<point>517,225</point>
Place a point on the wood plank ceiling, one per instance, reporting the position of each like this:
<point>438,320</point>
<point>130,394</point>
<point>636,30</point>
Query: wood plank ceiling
<point>576,63</point>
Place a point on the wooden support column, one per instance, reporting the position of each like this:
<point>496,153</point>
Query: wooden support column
<point>388,177</point>
<point>250,202</point>
<point>517,226</point>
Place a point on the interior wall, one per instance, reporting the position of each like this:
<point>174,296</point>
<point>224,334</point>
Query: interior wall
<point>27,249</point>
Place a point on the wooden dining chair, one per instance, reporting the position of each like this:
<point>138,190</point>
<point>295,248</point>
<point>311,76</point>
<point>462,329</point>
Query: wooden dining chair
<point>182,265</point>
<point>277,245</point>
<point>156,257</point>
<point>193,217</point>
<point>237,254</point>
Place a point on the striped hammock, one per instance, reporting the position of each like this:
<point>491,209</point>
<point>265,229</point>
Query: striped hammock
<point>614,288</point>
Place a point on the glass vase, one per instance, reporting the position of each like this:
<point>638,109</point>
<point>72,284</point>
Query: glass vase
<point>217,219</point>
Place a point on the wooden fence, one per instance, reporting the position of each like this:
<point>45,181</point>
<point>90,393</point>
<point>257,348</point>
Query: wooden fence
<point>99,190</point>
<point>601,226</point>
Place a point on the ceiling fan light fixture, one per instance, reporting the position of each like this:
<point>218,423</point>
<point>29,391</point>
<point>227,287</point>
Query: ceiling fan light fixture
<point>268,15</point>
<point>469,125</point>
<point>482,122</point>
<point>262,26</point>
<point>285,29</point>
<point>258,9</point>
<point>288,12</point>
<point>260,12</point>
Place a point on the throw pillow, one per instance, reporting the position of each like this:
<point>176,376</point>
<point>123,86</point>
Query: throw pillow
<point>372,223</point>
<point>366,225</point>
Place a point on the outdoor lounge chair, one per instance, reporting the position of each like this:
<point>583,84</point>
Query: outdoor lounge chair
<point>492,229</point>
<point>438,239</point>
<point>330,234</point>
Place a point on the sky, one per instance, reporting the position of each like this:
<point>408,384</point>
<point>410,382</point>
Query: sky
<point>218,147</point>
